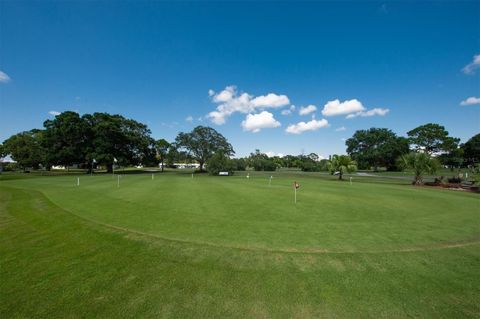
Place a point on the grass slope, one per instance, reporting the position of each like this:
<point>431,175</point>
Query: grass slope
<point>55,264</point>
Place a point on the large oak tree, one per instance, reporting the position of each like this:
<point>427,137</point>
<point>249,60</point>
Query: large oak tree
<point>202,143</point>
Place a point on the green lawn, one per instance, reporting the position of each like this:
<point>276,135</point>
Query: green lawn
<point>235,247</point>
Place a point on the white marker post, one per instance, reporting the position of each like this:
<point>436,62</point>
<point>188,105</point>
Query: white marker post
<point>350,180</point>
<point>248,176</point>
<point>118,180</point>
<point>270,181</point>
<point>152,176</point>
<point>192,175</point>
<point>78,181</point>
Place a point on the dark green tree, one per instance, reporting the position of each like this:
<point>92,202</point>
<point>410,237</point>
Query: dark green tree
<point>66,139</point>
<point>376,147</point>
<point>117,138</point>
<point>162,148</point>
<point>202,143</point>
<point>432,138</point>
<point>471,151</point>
<point>26,148</point>
<point>220,162</point>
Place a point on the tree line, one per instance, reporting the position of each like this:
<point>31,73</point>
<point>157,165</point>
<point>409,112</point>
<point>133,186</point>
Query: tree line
<point>102,139</point>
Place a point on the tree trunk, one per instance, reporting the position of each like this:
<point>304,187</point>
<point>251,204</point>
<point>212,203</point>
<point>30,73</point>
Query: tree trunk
<point>162,165</point>
<point>418,180</point>
<point>109,168</point>
<point>340,176</point>
<point>201,166</point>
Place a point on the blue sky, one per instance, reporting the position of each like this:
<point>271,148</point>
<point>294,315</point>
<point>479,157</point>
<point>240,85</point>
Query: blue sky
<point>389,64</point>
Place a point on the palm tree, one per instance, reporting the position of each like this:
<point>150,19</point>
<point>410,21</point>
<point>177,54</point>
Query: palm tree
<point>342,164</point>
<point>421,163</point>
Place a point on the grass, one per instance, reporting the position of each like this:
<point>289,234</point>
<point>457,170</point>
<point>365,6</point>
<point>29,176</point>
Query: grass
<point>231,247</point>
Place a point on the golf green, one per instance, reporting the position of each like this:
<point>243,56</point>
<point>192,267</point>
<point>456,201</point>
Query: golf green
<point>237,246</point>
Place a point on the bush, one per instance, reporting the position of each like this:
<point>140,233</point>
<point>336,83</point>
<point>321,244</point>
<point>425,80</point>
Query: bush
<point>455,180</point>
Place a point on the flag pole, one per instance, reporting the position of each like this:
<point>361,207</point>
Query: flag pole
<point>295,195</point>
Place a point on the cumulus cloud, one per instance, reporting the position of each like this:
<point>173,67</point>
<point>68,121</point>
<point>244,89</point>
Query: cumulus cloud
<point>301,127</point>
<point>335,107</point>
<point>256,122</point>
<point>54,113</point>
<point>472,66</point>
<point>307,110</point>
<point>4,78</point>
<point>230,101</point>
<point>471,101</point>
<point>289,110</point>
<point>372,112</point>
<point>340,129</point>
<point>189,119</point>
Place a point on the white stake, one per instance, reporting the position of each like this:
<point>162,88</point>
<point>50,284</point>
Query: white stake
<point>118,180</point>
<point>152,176</point>
<point>270,181</point>
<point>350,180</point>
<point>295,195</point>
<point>192,175</point>
<point>78,181</point>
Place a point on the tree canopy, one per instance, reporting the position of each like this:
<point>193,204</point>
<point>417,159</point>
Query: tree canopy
<point>202,143</point>
<point>376,147</point>
<point>66,139</point>
<point>26,148</point>
<point>432,138</point>
<point>471,150</point>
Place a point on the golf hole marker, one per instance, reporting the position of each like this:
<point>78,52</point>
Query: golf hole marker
<point>295,187</point>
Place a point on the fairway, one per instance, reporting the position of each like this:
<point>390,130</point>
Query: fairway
<point>178,246</point>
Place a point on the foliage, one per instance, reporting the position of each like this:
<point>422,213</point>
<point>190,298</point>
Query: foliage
<point>471,150</point>
<point>452,159</point>
<point>26,148</point>
<point>3,151</point>
<point>162,148</point>
<point>219,162</point>
<point>376,147</point>
<point>115,137</point>
<point>240,164</point>
<point>261,162</point>
<point>421,163</point>
<point>342,164</point>
<point>203,142</point>
<point>432,138</point>
<point>66,139</point>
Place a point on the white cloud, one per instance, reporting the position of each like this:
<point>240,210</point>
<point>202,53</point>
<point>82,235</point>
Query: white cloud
<point>272,154</point>
<point>301,127</point>
<point>256,122</point>
<point>307,110</point>
<point>471,101</point>
<point>340,129</point>
<point>335,107</point>
<point>372,112</point>
<point>343,139</point>
<point>189,119</point>
<point>54,113</point>
<point>471,67</point>
<point>4,78</point>
<point>289,110</point>
<point>230,101</point>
